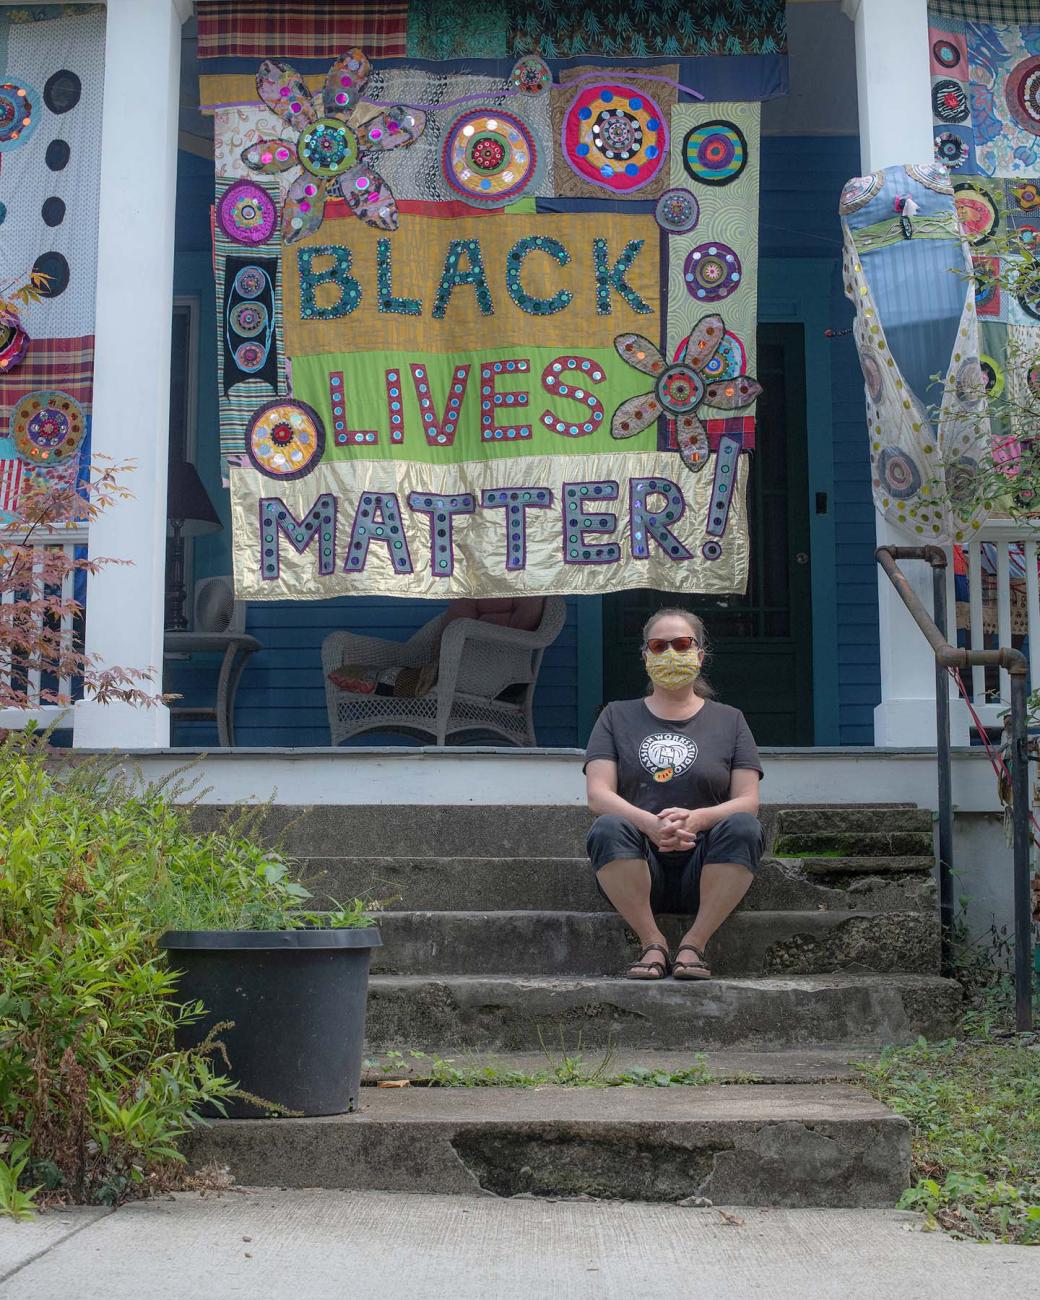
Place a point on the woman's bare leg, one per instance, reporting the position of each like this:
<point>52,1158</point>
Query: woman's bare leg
<point>723,885</point>
<point>626,883</point>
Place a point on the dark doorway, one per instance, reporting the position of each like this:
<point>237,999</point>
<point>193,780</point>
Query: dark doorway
<point>761,658</point>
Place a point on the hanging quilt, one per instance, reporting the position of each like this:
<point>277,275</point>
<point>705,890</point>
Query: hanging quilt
<point>51,86</point>
<point>484,330</point>
<point>985,76</point>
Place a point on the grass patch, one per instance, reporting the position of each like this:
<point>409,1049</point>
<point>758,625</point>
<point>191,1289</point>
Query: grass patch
<point>973,1103</point>
<point>570,1071</point>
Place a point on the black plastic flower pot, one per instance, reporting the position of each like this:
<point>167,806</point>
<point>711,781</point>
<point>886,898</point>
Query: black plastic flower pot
<point>297,999</point>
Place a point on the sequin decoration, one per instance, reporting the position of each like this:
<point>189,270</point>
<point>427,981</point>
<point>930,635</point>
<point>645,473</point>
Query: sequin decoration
<point>19,114</point>
<point>14,342</point>
<point>1023,93</point>
<point>285,439</point>
<point>858,192</point>
<point>582,516</point>
<point>572,377</point>
<point>246,213</point>
<point>677,212</point>
<point>976,211</point>
<point>615,136</point>
<point>516,502</point>
<point>949,102</point>
<point>729,361</point>
<point>712,272</point>
<point>715,153</point>
<point>951,150</point>
<point>489,157</point>
<point>47,427</point>
<point>898,474</point>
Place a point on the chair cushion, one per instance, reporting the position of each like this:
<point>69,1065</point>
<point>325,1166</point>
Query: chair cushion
<point>521,612</point>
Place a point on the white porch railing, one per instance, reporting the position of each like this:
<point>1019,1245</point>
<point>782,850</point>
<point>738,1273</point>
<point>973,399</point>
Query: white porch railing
<point>66,539</point>
<point>1003,607</point>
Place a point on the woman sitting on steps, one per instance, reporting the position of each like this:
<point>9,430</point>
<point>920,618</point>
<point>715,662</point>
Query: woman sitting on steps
<point>674,778</point>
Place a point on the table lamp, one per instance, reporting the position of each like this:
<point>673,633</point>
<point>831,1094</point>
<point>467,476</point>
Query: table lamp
<point>189,513</point>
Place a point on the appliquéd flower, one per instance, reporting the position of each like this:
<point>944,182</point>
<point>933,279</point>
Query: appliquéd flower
<point>680,389</point>
<point>339,138</point>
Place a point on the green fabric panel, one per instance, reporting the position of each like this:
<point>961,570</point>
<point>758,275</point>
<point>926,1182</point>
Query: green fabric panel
<point>364,383</point>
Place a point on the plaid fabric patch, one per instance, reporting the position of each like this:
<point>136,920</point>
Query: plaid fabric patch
<point>986,11</point>
<point>734,424</point>
<point>66,364</point>
<point>301,29</point>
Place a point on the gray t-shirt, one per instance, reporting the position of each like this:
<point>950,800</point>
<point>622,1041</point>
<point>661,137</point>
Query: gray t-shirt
<point>666,764</point>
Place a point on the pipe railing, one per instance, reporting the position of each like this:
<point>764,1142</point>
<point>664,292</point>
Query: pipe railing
<point>1017,666</point>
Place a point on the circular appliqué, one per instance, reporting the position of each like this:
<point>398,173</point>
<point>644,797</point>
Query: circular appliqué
<point>248,318</point>
<point>949,102</point>
<point>715,153</point>
<point>328,147</point>
<point>961,478</point>
<point>285,439</point>
<point>667,754</point>
<point>677,212</point>
<point>946,54</point>
<point>250,282</point>
<point>873,375</point>
<point>489,156</point>
<point>530,75</point>
<point>679,389</point>
<point>976,211</point>
<point>246,213</point>
<point>47,427</point>
<point>250,356</point>
<point>14,342</point>
<point>19,114</point>
<point>970,383</point>
<point>712,550</point>
<point>933,176</point>
<point>729,360</point>
<point>858,192</point>
<point>712,272</point>
<point>951,150</point>
<point>992,376</point>
<point>1022,92</point>
<point>899,475</point>
<point>615,136</point>
<point>1029,301</point>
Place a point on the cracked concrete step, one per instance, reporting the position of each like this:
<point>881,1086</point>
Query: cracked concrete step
<point>599,943</point>
<point>827,1146</point>
<point>437,830</point>
<point>567,1015</point>
<point>856,844</point>
<point>567,884</point>
<point>819,1065</point>
<point>807,821</point>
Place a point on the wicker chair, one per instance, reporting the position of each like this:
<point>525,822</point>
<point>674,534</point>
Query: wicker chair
<point>485,679</point>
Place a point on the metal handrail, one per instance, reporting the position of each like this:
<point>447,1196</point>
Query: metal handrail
<point>1016,664</point>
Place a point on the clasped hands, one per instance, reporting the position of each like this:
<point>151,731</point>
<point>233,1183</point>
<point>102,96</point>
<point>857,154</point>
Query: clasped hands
<point>675,830</point>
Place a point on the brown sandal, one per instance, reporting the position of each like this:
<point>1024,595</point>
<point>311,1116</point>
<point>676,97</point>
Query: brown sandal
<point>656,969</point>
<point>691,970</point>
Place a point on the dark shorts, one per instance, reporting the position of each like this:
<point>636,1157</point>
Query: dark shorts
<point>675,877</point>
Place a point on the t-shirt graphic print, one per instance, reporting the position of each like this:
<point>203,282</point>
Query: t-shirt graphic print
<point>667,754</point>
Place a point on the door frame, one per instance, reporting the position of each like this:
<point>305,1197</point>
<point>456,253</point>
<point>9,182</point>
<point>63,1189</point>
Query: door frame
<point>796,290</point>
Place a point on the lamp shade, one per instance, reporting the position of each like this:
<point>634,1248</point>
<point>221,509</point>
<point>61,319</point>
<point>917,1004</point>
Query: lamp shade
<point>188,502</point>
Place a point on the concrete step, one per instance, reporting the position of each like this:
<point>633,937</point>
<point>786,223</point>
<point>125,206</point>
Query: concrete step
<point>599,943</point>
<point>857,844</point>
<point>508,1014</point>
<point>814,1065</point>
<point>825,1146</point>
<point>505,830</point>
<point>567,884</point>
<point>852,820</point>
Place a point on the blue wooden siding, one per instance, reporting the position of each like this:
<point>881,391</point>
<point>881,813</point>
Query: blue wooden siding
<point>281,700</point>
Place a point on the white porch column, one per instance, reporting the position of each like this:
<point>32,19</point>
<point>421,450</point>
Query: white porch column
<point>895,126</point>
<point>132,356</point>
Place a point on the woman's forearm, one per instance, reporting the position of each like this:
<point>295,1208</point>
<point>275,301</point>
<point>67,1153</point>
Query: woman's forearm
<point>602,800</point>
<point>744,803</point>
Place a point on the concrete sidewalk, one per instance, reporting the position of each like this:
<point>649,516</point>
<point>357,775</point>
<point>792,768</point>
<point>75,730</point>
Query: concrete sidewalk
<point>320,1245</point>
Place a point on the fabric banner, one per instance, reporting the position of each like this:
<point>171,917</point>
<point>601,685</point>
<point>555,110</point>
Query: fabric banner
<point>435,29</point>
<point>462,393</point>
<point>51,89</point>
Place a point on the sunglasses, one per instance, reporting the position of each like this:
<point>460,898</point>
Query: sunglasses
<point>658,645</point>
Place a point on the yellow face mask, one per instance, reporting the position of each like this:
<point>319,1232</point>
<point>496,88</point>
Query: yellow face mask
<point>673,668</point>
